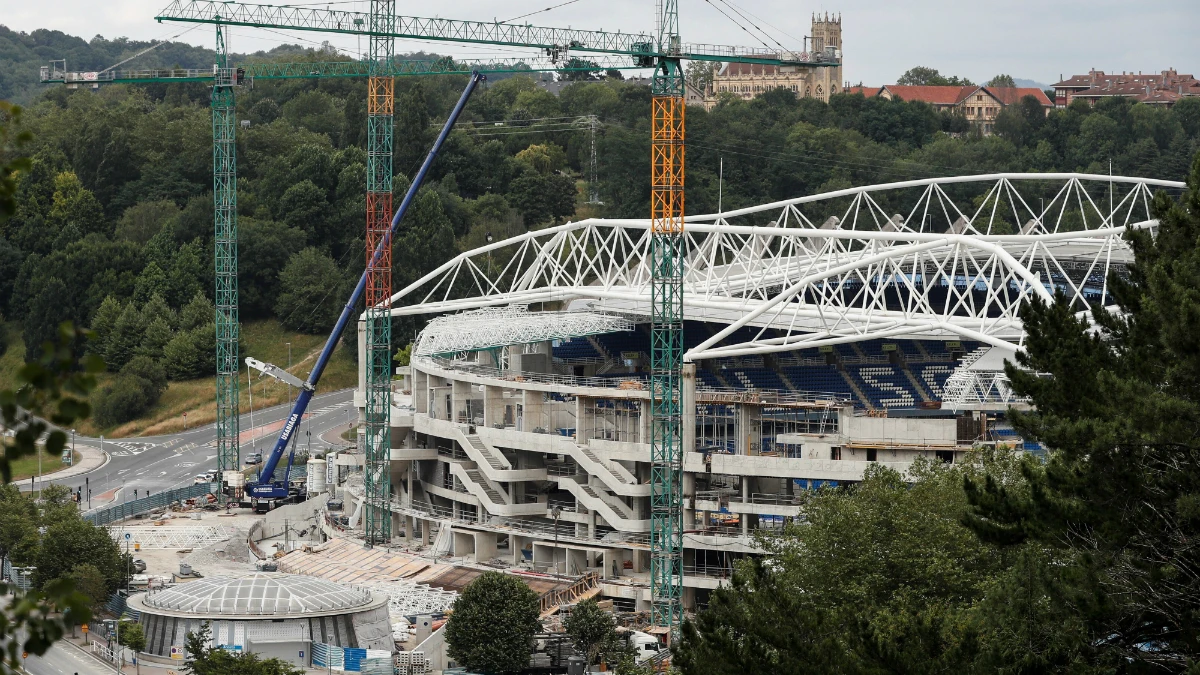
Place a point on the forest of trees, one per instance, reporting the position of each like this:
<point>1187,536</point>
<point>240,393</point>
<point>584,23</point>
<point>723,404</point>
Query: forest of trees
<point>113,226</point>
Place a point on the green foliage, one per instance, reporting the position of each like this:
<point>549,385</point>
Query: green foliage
<point>594,633</point>
<point>920,75</point>
<point>310,298</point>
<point>90,582</point>
<point>70,541</point>
<point>403,355</point>
<point>491,628</point>
<point>878,578</point>
<point>12,158</point>
<point>1111,511</point>
<point>191,353</point>
<point>132,635</point>
<point>205,660</point>
<point>1002,80</point>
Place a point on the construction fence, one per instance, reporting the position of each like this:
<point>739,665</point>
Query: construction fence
<point>116,512</point>
<point>353,660</point>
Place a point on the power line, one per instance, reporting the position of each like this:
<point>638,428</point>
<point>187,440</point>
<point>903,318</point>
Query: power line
<point>782,49</point>
<point>735,22</point>
<point>540,11</point>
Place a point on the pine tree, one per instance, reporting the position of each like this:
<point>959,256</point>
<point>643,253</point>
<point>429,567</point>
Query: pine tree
<point>102,324</point>
<point>152,281</point>
<point>1117,505</point>
<point>198,312</point>
<point>126,335</point>
<point>158,334</point>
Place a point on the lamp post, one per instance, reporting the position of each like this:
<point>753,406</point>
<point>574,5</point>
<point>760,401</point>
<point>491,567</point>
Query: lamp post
<point>556,512</point>
<point>289,346</point>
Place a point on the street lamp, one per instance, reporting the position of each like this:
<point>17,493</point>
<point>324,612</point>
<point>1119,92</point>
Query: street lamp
<point>289,345</point>
<point>556,512</point>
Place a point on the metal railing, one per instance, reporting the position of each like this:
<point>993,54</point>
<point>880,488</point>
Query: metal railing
<point>115,512</point>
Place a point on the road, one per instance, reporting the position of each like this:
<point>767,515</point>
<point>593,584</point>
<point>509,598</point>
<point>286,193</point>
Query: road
<point>158,463</point>
<point>63,659</point>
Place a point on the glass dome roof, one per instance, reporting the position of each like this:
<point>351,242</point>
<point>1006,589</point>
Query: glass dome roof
<point>259,593</point>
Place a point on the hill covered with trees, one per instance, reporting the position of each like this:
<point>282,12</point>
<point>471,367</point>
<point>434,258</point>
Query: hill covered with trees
<point>114,221</point>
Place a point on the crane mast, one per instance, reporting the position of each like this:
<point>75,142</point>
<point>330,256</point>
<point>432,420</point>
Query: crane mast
<point>381,90</point>
<point>225,260</point>
<point>666,327</point>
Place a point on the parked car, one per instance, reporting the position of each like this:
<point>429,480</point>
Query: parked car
<point>254,458</point>
<point>139,565</point>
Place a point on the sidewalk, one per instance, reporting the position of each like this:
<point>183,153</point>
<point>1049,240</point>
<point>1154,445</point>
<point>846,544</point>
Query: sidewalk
<point>90,460</point>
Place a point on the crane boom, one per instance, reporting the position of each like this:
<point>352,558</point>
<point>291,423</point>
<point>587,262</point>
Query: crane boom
<point>644,48</point>
<point>56,72</point>
<point>266,487</point>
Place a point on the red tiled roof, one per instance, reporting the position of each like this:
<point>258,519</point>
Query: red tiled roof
<point>936,95</point>
<point>865,91</point>
<point>1011,95</point>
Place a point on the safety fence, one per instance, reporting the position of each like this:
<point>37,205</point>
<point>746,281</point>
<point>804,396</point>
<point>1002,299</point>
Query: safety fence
<point>115,512</point>
<point>352,659</point>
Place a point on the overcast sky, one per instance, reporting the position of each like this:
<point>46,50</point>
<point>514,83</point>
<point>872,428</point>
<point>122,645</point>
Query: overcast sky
<point>1032,39</point>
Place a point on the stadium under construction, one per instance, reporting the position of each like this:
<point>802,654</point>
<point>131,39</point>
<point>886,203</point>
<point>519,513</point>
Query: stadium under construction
<point>821,335</point>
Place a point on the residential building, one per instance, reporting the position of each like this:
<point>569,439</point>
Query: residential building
<point>980,105</point>
<point>1163,88</point>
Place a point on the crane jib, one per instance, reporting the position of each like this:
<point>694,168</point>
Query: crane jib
<point>265,487</point>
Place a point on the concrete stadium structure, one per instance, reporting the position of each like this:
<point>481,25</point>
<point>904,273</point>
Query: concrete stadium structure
<point>270,614</point>
<point>823,334</point>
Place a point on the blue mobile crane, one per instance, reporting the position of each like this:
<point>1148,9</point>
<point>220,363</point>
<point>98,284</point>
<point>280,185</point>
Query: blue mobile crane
<point>265,487</point>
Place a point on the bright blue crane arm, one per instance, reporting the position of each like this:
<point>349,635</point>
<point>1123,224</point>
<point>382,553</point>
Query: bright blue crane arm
<point>268,467</point>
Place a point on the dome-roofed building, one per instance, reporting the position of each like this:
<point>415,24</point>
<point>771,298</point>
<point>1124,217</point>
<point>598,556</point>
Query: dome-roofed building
<point>268,613</point>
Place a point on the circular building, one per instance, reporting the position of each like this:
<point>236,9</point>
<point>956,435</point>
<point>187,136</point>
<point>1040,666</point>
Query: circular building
<point>268,613</point>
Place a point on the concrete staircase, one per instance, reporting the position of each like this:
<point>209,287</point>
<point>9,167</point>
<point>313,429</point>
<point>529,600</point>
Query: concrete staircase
<point>494,458</point>
<point>612,474</point>
<point>477,483</point>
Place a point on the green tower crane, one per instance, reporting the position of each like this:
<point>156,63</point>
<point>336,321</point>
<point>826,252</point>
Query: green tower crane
<point>662,51</point>
<point>225,260</point>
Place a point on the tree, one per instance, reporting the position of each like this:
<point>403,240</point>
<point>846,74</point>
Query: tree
<point>308,300</point>
<point>143,220</point>
<point>594,632</point>
<point>41,324</point>
<point>909,577</point>
<point>75,205</point>
<point>700,74</point>
<point>1002,81</point>
<point>191,353</point>
<point>88,581</point>
<point>1117,505</point>
<point>922,75</point>
<point>198,312</point>
<point>491,628</point>
<point>131,635</point>
<point>68,542</point>
<point>205,660</point>
<point>13,139</point>
<point>50,390</point>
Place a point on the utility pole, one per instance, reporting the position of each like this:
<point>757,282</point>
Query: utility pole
<point>289,345</point>
<point>593,172</point>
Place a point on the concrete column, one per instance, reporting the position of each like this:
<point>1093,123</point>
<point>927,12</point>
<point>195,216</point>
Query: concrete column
<point>493,406</point>
<point>689,407</point>
<point>461,394</point>
<point>420,391</point>
<point>644,432</point>
<point>584,419</point>
<point>689,490</point>
<point>742,443</point>
<point>514,358</point>
<point>485,546</point>
<point>534,409</point>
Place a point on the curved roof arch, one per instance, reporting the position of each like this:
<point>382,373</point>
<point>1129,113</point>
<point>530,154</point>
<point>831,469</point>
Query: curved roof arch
<point>937,258</point>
